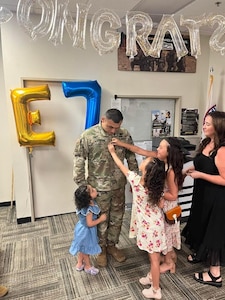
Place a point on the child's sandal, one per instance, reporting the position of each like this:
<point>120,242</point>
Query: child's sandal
<point>92,271</point>
<point>80,268</point>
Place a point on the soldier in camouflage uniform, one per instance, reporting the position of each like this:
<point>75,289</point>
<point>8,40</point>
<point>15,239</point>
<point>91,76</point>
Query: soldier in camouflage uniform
<point>106,177</point>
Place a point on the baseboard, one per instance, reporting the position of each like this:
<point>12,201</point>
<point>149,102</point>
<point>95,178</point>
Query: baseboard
<point>20,220</point>
<point>23,220</point>
<point>7,203</point>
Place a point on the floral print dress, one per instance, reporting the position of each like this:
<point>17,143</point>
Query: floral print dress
<point>173,235</point>
<point>147,221</point>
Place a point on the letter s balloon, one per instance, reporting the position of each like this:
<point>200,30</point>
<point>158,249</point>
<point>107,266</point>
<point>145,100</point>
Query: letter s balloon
<point>216,41</point>
<point>91,90</point>
<point>24,118</point>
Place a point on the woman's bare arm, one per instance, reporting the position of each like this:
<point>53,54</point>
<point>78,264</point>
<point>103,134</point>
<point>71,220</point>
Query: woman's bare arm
<point>220,163</point>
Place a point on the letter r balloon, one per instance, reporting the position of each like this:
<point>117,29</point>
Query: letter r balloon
<point>91,90</point>
<point>25,118</point>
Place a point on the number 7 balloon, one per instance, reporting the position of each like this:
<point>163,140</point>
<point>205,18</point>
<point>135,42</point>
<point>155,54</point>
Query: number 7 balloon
<point>91,90</point>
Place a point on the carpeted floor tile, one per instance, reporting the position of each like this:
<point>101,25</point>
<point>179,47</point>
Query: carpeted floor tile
<point>35,264</point>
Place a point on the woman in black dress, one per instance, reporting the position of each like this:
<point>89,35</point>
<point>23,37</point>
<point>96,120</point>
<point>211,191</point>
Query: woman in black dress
<point>205,229</point>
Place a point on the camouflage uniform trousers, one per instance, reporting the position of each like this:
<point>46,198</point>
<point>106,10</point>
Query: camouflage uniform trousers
<point>113,204</point>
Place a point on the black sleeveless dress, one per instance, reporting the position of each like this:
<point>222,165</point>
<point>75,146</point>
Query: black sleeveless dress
<point>205,228</point>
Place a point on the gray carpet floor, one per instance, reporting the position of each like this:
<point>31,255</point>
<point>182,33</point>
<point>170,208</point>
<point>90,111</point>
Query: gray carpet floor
<point>35,264</point>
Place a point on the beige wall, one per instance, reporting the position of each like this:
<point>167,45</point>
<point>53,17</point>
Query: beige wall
<point>25,58</point>
<point>5,142</point>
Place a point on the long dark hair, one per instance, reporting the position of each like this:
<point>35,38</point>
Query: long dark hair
<point>154,180</point>
<point>175,159</point>
<point>82,197</point>
<point>218,121</point>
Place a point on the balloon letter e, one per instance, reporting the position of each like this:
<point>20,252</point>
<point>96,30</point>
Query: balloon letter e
<point>91,90</point>
<point>24,118</point>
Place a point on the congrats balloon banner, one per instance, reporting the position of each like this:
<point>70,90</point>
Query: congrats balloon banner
<point>91,90</point>
<point>55,17</point>
<point>25,118</point>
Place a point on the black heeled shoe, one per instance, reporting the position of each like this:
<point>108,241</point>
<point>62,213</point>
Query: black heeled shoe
<point>192,259</point>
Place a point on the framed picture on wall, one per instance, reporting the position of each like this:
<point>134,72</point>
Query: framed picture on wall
<point>167,62</point>
<point>161,123</point>
<point>189,121</point>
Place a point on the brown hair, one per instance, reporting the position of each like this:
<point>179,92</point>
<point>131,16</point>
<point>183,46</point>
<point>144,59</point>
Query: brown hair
<point>154,180</point>
<point>175,159</point>
<point>218,122</point>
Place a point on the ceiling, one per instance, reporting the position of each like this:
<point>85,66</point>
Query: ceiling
<point>155,8</point>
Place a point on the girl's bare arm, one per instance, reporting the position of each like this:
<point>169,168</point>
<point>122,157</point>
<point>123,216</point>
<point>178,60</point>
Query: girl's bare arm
<point>172,193</point>
<point>91,223</point>
<point>134,148</point>
<point>118,162</point>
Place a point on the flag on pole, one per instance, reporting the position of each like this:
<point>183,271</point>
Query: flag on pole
<point>210,105</point>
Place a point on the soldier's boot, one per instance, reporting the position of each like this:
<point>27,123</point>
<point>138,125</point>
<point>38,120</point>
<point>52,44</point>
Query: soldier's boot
<point>102,258</point>
<point>3,291</point>
<point>116,253</point>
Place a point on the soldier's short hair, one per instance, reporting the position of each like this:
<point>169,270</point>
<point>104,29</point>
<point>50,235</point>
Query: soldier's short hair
<point>114,114</point>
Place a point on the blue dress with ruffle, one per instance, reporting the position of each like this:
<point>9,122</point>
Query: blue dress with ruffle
<point>85,238</point>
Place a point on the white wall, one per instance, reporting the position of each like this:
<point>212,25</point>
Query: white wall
<point>5,142</point>
<point>216,61</point>
<point>25,58</point>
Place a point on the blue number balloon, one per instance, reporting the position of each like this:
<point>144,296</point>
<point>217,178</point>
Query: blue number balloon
<point>91,90</point>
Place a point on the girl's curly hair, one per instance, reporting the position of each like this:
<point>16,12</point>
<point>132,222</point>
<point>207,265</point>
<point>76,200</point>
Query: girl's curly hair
<point>154,180</point>
<point>82,197</point>
<point>175,159</point>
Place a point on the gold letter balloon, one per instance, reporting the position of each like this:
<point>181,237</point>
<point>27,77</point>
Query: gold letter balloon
<point>24,118</point>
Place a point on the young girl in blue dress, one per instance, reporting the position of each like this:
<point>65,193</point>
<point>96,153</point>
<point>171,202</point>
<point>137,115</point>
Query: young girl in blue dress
<point>85,241</point>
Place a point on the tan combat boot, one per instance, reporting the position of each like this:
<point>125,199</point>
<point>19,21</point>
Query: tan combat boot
<point>102,258</point>
<point>3,291</point>
<point>116,253</point>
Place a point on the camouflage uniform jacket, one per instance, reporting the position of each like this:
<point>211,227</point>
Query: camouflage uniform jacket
<point>102,172</point>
